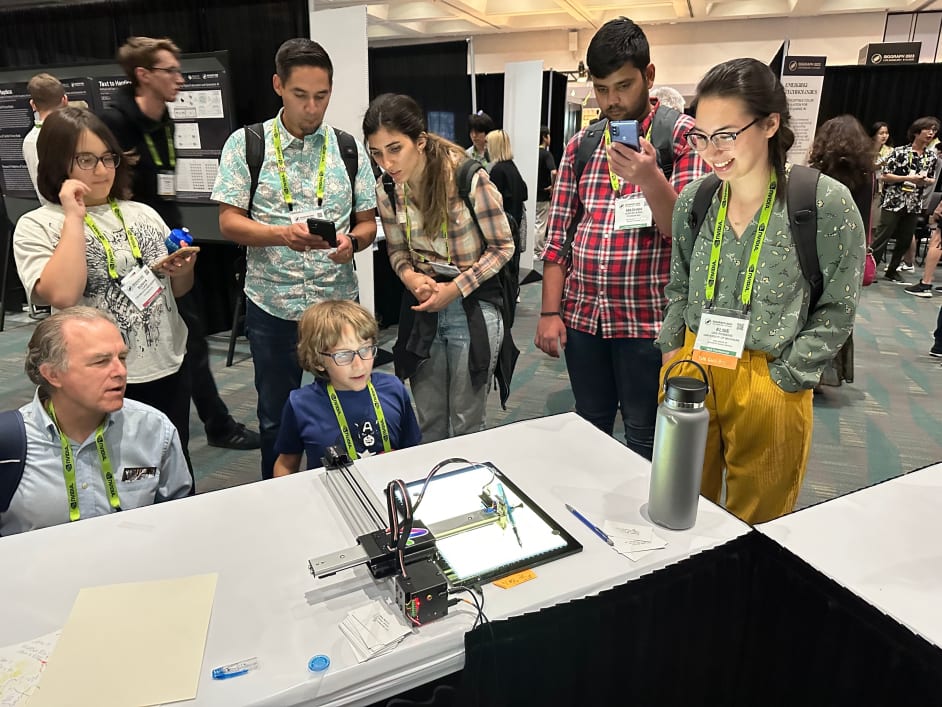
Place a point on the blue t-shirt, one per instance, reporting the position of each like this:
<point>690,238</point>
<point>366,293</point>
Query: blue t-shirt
<point>308,423</point>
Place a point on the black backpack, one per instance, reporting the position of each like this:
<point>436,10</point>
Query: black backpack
<point>12,455</point>
<point>801,199</point>
<point>662,138</point>
<point>255,155</point>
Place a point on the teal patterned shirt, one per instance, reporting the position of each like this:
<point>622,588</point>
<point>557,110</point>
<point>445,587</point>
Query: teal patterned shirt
<point>798,342</point>
<point>281,281</point>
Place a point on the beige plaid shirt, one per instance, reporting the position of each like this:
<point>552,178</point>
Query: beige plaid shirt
<point>477,260</point>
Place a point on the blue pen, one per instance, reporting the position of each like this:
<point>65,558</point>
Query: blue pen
<point>589,524</point>
<point>234,670</point>
<point>510,512</point>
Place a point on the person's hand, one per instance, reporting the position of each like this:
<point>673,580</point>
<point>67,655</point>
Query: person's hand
<point>444,294</point>
<point>666,356</point>
<point>637,168</point>
<point>419,284</point>
<point>344,252</point>
<point>72,197</point>
<point>297,237</point>
<point>927,181</point>
<point>551,335</point>
<point>176,265</point>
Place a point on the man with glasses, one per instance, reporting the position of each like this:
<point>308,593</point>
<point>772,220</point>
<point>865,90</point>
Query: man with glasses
<point>139,118</point>
<point>603,300</point>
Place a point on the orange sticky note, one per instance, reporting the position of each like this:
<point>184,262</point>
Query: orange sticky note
<point>515,579</point>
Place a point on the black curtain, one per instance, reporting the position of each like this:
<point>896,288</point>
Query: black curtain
<point>429,73</point>
<point>897,95</point>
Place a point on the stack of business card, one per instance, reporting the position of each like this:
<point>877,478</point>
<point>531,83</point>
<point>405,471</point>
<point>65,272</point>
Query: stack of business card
<point>373,629</point>
<point>633,541</point>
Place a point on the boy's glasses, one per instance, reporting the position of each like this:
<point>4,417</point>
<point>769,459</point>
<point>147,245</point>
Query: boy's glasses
<point>345,358</point>
<point>88,161</point>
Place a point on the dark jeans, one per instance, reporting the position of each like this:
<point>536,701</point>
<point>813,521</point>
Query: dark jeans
<point>937,334</point>
<point>170,395</point>
<point>608,374</point>
<point>273,343</point>
<point>209,406</point>
<point>894,224</point>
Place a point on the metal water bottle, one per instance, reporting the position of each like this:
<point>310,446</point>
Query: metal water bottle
<point>178,238</point>
<point>680,435</point>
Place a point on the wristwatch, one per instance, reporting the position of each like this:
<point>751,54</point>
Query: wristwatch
<point>354,242</point>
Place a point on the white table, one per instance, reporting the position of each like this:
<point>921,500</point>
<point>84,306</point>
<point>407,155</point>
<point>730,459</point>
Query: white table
<point>882,543</point>
<point>259,537</point>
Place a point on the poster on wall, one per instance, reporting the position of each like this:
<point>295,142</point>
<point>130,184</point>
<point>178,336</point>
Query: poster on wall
<point>803,78</point>
<point>202,115</point>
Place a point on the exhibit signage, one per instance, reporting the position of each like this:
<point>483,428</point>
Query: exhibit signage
<point>803,79</point>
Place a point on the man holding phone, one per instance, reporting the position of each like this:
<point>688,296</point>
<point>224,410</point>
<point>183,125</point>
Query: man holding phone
<point>303,194</point>
<point>603,289</point>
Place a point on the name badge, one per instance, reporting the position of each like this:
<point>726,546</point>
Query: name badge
<point>632,211</point>
<point>303,216</point>
<point>166,185</point>
<point>445,269</point>
<point>141,286</point>
<point>721,338</point>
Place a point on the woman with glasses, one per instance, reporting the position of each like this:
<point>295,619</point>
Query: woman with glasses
<point>738,301</point>
<point>348,406</point>
<point>452,319</point>
<point>91,246</point>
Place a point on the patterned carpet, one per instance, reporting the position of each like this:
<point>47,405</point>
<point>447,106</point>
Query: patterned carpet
<point>887,422</point>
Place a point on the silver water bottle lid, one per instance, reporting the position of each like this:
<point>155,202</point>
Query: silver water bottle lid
<point>685,391</point>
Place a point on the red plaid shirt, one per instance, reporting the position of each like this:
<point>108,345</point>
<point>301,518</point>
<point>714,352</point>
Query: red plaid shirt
<point>615,277</point>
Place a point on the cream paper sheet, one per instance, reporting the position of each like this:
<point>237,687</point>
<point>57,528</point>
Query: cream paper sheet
<point>130,644</point>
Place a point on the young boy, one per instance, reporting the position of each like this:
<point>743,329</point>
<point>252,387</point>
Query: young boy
<point>348,405</point>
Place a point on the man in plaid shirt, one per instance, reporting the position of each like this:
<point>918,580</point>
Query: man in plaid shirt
<point>604,301</point>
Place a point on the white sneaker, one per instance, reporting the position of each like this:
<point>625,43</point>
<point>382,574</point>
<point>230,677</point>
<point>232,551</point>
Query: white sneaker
<point>905,268</point>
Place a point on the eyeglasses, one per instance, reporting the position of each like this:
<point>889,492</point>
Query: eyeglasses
<point>88,161</point>
<point>345,358</point>
<point>175,70</point>
<point>721,141</point>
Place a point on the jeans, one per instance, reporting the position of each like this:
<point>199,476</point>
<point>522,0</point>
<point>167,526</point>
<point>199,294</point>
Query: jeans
<point>937,334</point>
<point>209,406</point>
<point>273,343</point>
<point>446,404</point>
<point>894,224</point>
<point>608,374</point>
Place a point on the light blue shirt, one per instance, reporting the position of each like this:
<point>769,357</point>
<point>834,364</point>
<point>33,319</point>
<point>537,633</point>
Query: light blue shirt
<point>141,441</point>
<point>281,281</point>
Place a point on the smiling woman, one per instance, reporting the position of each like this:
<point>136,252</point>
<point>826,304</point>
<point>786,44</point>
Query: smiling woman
<point>91,246</point>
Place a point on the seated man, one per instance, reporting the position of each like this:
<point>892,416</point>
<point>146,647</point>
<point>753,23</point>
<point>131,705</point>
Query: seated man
<point>89,451</point>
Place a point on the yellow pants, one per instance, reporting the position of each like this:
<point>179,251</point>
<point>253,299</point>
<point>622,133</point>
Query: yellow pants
<point>759,434</point>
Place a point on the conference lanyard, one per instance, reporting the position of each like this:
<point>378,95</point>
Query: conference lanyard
<point>171,153</point>
<point>614,178</point>
<point>283,172</point>
<point>444,229</point>
<point>345,428</point>
<point>109,252</point>
<point>758,238</point>
<point>68,468</point>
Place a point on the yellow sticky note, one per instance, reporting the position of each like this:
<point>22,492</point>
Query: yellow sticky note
<point>515,579</point>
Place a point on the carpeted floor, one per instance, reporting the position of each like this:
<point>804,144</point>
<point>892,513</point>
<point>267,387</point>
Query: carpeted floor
<point>887,422</point>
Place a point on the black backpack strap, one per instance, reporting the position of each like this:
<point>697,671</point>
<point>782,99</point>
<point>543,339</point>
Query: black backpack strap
<point>389,186</point>
<point>12,455</point>
<point>348,151</point>
<point>701,203</point>
<point>803,218</point>
<point>254,155</point>
<point>463,177</point>
<point>587,147</point>
<point>662,137</point>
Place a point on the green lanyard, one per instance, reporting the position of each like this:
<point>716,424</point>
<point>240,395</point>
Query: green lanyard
<point>283,172</point>
<point>422,258</point>
<point>614,178</point>
<point>757,240</point>
<point>109,253</point>
<point>345,428</point>
<point>68,468</point>
<point>171,153</point>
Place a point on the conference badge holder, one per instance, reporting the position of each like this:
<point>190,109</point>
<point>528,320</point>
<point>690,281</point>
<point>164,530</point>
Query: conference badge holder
<point>721,338</point>
<point>445,269</point>
<point>632,211</point>
<point>141,286</point>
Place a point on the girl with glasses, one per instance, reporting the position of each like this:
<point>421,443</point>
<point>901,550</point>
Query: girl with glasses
<point>738,301</point>
<point>348,406</point>
<point>92,246</point>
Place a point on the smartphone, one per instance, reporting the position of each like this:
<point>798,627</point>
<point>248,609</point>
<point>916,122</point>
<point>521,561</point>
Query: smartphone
<point>626,132</point>
<point>323,228</point>
<point>183,250</point>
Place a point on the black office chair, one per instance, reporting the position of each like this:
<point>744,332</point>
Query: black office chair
<point>238,312</point>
